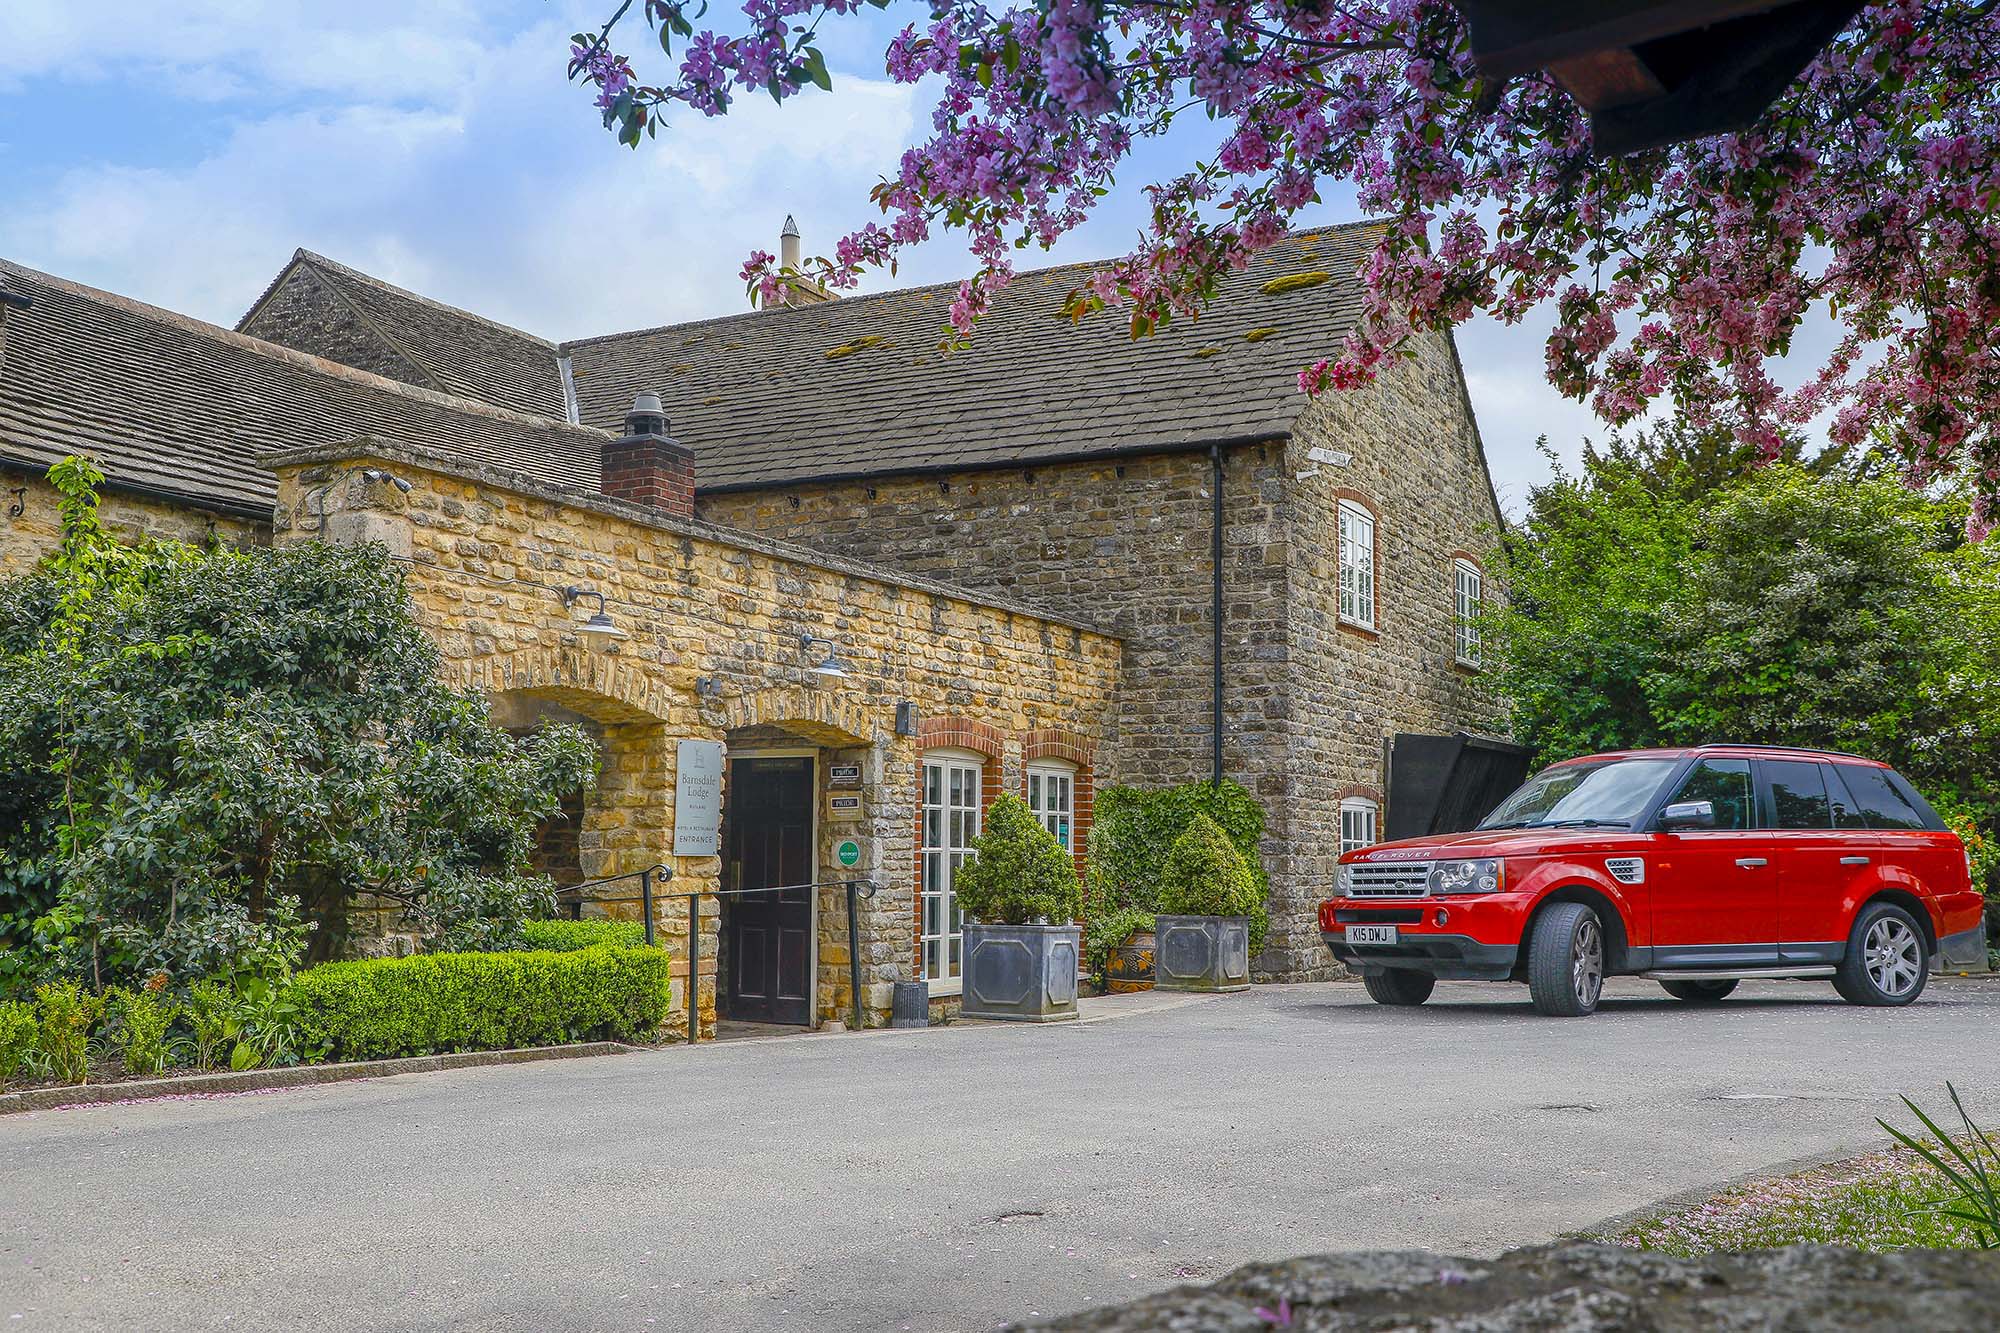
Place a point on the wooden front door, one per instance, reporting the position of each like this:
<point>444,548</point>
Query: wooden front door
<point>767,842</point>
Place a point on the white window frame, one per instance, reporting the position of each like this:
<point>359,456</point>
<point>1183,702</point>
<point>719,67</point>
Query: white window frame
<point>1052,799</point>
<point>1358,585</point>
<point>940,925</point>
<point>1468,599</point>
<point>1366,822</point>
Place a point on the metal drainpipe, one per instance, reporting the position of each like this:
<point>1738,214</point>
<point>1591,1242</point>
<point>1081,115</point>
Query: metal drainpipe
<point>1216,609</point>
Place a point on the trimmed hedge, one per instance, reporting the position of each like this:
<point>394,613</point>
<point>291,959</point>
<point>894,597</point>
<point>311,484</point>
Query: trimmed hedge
<point>563,936</point>
<point>429,1004</point>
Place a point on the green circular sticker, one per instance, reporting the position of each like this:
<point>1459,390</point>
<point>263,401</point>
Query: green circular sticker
<point>848,852</point>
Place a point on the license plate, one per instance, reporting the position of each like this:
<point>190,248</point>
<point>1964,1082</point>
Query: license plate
<point>1371,934</point>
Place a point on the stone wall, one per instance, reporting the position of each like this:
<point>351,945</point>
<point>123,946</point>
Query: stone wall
<point>300,313</point>
<point>26,537</point>
<point>1127,541</point>
<point>714,619</point>
<point>1415,461</point>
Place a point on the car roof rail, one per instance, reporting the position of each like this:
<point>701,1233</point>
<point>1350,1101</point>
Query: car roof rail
<point>1794,749</point>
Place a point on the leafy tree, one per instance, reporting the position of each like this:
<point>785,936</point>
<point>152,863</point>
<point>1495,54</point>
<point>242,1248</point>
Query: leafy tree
<point>1780,607</point>
<point>1864,193</point>
<point>209,748</point>
<point>1019,873</point>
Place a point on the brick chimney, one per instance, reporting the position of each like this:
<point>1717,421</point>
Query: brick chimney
<point>646,465</point>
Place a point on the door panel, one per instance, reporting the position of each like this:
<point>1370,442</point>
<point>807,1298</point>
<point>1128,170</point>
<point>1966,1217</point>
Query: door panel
<point>1715,891</point>
<point>1818,863</point>
<point>767,837</point>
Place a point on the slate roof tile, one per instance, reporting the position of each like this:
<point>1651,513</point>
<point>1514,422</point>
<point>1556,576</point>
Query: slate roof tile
<point>173,404</point>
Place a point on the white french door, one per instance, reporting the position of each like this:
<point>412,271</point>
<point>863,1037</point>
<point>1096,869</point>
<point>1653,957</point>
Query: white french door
<point>951,822</point>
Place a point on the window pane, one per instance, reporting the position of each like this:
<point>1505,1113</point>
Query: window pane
<point>1798,795</point>
<point>1725,784</point>
<point>1879,803</point>
<point>933,784</point>
<point>933,914</point>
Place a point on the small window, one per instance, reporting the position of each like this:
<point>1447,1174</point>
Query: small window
<point>1052,799</point>
<point>1798,794</point>
<point>1359,818</point>
<point>1724,784</point>
<point>1357,565</point>
<point>1878,802</point>
<point>1468,586</point>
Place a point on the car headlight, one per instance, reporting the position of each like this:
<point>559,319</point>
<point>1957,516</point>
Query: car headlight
<point>1466,877</point>
<point>1343,880</point>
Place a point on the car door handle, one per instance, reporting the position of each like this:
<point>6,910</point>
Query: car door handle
<point>1751,862</point>
<point>1854,860</point>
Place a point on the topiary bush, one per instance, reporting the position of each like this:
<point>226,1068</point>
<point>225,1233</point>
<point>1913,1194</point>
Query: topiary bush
<point>1019,873</point>
<point>564,936</point>
<point>1133,831</point>
<point>1205,875</point>
<point>432,1003</point>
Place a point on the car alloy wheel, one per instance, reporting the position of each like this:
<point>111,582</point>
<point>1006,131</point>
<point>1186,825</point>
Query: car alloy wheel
<point>1895,956</point>
<point>1586,968</point>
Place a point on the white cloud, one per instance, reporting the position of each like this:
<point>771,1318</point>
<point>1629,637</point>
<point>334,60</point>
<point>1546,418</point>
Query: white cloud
<point>511,201</point>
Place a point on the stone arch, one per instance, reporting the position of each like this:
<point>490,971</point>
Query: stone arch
<point>819,716</point>
<point>598,685</point>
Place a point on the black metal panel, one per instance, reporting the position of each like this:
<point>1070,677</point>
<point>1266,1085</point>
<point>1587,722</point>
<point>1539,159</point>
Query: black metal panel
<point>1447,784</point>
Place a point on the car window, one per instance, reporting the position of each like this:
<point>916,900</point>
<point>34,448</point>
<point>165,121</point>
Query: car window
<point>1725,784</point>
<point>1615,791</point>
<point>1879,803</point>
<point>1798,794</point>
<point>1914,799</point>
<point>1846,810</point>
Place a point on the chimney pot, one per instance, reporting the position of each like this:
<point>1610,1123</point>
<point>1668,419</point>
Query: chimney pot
<point>788,244</point>
<point>646,465</point>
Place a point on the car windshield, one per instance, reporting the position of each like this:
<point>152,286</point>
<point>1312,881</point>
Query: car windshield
<point>1611,791</point>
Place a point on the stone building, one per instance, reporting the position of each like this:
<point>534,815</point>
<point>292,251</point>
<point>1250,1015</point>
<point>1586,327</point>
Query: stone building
<point>1078,558</point>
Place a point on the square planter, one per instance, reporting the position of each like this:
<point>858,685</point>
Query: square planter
<point>1202,953</point>
<point>1022,974</point>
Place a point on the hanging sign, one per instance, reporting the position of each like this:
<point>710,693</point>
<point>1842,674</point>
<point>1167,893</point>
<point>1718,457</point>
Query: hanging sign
<point>698,799</point>
<point>848,853</point>
<point>843,775</point>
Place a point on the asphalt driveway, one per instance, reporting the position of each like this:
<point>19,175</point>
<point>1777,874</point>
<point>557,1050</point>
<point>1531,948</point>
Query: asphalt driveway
<point>947,1179</point>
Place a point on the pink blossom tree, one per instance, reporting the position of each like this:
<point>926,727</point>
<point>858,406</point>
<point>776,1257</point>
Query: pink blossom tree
<point>1869,191</point>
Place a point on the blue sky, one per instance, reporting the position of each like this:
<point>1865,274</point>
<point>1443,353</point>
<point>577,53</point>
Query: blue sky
<point>179,152</point>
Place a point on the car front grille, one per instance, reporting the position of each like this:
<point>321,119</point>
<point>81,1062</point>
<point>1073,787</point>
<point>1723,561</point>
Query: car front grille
<point>1389,879</point>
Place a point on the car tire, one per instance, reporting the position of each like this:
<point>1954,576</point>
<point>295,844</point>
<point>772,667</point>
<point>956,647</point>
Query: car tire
<point>1399,985</point>
<point>1566,961</point>
<point>1887,961</point>
<point>1699,992</point>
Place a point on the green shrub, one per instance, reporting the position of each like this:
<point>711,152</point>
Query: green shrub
<point>1133,832</point>
<point>208,1020</point>
<point>563,936</point>
<point>1205,875</point>
<point>1019,873</point>
<point>432,1003</point>
<point>137,1030</point>
<point>69,1013</point>
<point>19,1030</point>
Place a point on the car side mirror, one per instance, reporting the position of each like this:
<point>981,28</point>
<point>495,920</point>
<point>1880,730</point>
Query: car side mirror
<point>1688,814</point>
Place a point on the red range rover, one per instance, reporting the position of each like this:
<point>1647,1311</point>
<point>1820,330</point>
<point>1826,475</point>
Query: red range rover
<point>1697,867</point>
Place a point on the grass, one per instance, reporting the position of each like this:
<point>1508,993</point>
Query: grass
<point>1877,1202</point>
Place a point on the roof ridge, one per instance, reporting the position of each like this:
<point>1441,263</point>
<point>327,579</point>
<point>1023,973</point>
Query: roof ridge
<point>565,347</point>
<point>276,352</point>
<point>313,258</point>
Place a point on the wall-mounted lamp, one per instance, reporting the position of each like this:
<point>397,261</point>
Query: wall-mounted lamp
<point>906,718</point>
<point>599,626</point>
<point>829,666</point>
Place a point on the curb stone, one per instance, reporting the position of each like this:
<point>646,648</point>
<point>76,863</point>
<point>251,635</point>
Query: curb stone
<point>297,1076</point>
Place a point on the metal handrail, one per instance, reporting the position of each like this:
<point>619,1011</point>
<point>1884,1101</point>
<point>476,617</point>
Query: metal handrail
<point>645,878</point>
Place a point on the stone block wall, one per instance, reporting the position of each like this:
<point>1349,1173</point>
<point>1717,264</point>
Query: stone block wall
<point>301,313</point>
<point>26,537</point>
<point>1307,706</point>
<point>714,619</point>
